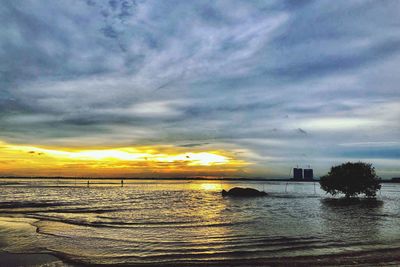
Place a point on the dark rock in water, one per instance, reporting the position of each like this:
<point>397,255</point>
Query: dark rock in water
<point>243,192</point>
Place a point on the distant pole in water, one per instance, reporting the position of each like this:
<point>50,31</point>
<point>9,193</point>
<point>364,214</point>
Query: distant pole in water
<point>88,183</point>
<point>286,187</point>
<point>122,182</point>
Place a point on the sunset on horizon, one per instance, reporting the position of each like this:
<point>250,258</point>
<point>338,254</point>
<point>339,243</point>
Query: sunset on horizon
<point>201,133</point>
<point>252,82</point>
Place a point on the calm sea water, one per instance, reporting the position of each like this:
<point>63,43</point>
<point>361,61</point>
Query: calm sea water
<point>189,221</point>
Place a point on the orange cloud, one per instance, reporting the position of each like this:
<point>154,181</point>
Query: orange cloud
<point>141,161</point>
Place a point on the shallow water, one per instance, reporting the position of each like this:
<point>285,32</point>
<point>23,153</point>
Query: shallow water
<point>189,221</point>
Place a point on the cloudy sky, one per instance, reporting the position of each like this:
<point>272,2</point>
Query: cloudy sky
<point>267,85</point>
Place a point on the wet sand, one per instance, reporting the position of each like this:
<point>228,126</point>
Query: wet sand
<point>14,225</point>
<point>386,257</point>
<point>34,259</point>
<point>376,257</point>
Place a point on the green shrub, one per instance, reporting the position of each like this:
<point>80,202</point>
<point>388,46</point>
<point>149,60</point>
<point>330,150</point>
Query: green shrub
<point>351,179</point>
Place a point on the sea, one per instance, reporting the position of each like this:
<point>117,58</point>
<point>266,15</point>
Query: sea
<point>172,222</point>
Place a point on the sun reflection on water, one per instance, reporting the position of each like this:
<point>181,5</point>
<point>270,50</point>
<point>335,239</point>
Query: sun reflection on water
<point>210,186</point>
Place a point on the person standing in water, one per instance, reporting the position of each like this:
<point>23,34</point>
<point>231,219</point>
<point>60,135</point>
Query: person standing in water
<point>122,182</point>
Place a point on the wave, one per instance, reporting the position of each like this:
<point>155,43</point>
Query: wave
<point>130,225</point>
<point>31,204</point>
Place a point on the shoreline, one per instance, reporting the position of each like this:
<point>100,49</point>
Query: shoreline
<point>160,179</point>
<point>380,257</point>
<point>14,224</point>
<point>30,259</point>
<point>368,257</point>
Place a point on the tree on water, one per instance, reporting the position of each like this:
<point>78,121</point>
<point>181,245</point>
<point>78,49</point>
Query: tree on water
<point>351,179</point>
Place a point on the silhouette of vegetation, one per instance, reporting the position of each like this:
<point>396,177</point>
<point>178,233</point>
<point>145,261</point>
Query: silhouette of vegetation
<point>351,179</point>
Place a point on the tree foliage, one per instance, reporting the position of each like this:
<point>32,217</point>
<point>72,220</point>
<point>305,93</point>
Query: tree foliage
<point>351,179</point>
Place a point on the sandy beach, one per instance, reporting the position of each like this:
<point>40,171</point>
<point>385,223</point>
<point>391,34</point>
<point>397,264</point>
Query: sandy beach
<point>367,258</point>
<point>378,257</point>
<point>31,259</point>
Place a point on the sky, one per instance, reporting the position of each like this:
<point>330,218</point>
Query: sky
<point>198,88</point>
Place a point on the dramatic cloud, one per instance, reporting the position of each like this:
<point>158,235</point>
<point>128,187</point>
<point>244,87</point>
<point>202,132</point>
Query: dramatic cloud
<point>276,83</point>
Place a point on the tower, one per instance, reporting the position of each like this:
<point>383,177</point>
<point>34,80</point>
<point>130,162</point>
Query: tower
<point>297,174</point>
<point>308,174</point>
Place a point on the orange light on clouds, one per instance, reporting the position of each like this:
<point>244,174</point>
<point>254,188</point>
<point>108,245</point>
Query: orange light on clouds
<point>28,160</point>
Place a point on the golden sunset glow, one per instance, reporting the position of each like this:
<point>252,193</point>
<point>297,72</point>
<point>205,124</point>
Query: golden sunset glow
<point>211,186</point>
<point>120,161</point>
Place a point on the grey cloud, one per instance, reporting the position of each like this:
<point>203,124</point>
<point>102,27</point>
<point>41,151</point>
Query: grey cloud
<point>201,73</point>
<point>301,131</point>
<point>194,145</point>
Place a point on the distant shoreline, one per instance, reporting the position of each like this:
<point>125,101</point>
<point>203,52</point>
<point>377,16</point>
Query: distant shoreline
<point>151,178</point>
<point>157,178</point>
<point>175,179</point>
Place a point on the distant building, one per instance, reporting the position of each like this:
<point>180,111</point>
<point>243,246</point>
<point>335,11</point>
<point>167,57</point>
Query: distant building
<point>298,174</point>
<point>308,174</point>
